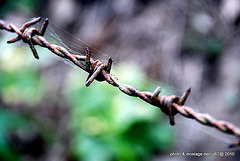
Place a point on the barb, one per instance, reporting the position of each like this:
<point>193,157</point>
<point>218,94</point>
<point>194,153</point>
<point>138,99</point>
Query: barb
<point>170,105</point>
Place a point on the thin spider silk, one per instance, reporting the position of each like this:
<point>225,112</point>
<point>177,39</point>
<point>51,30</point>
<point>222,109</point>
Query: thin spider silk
<point>75,48</point>
<point>72,43</point>
<point>192,128</point>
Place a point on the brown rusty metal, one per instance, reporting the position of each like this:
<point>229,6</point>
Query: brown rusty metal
<point>170,105</point>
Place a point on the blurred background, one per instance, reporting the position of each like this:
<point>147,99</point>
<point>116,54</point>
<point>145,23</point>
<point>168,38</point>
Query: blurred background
<point>47,113</point>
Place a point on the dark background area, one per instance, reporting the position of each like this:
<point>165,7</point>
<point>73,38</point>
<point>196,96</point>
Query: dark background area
<point>46,112</point>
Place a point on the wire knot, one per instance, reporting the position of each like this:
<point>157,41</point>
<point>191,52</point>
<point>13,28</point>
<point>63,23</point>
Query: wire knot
<point>166,103</point>
<point>96,69</point>
<point>28,34</point>
<point>170,105</point>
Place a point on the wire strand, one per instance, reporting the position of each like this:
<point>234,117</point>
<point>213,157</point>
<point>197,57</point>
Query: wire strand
<point>170,105</point>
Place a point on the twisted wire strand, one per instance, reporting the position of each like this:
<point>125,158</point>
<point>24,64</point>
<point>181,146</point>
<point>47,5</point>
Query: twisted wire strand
<point>170,105</point>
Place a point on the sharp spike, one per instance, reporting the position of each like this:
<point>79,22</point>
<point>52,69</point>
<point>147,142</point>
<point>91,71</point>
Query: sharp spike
<point>109,65</point>
<point>157,91</point>
<point>185,96</point>
<point>33,49</point>
<point>44,27</point>
<point>94,75</point>
<point>87,60</point>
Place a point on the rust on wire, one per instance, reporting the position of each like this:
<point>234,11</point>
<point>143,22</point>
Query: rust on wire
<point>170,105</point>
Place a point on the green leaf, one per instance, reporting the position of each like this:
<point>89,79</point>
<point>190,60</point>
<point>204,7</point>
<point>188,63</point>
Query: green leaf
<point>9,121</point>
<point>109,125</point>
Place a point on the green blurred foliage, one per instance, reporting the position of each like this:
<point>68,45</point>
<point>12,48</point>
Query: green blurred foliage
<point>9,121</point>
<point>209,47</point>
<point>19,83</point>
<point>20,79</point>
<point>21,5</point>
<point>109,125</point>
<point>105,123</point>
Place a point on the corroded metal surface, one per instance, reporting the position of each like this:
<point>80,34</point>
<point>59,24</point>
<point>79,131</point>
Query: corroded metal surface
<point>170,105</point>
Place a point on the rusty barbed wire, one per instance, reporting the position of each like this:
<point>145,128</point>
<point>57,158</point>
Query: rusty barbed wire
<point>170,105</point>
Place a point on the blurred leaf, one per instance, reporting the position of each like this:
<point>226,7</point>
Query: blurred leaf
<point>19,76</point>
<point>214,47</point>
<point>98,149</point>
<point>9,121</point>
<point>20,85</point>
<point>109,125</point>
<point>23,5</point>
<point>199,44</point>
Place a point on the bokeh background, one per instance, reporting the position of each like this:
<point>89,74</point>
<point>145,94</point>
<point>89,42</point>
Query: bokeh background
<point>47,113</point>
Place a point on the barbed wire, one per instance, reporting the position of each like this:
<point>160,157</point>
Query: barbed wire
<point>170,105</point>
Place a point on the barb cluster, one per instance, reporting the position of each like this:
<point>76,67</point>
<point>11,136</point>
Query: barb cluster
<point>170,105</point>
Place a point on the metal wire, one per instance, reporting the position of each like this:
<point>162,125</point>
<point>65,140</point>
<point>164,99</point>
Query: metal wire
<point>170,105</point>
